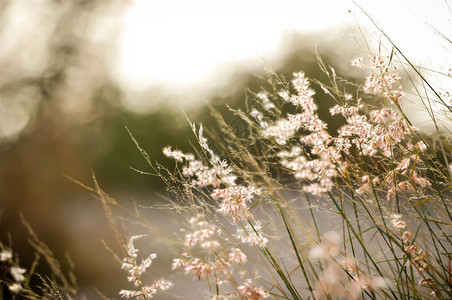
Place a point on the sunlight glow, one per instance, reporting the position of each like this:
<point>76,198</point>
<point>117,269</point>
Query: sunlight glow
<point>182,42</point>
<point>184,48</point>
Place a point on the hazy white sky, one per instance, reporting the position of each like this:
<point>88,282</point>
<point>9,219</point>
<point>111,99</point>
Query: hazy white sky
<point>181,50</point>
<point>183,42</point>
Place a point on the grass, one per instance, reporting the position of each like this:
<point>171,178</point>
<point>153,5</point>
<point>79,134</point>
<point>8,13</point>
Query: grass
<point>382,186</point>
<point>289,209</point>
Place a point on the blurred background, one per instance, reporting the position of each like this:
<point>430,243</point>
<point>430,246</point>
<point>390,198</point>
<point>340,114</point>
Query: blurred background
<point>74,73</point>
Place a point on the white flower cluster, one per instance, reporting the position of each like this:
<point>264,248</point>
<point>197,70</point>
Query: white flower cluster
<point>233,197</point>
<point>135,271</point>
<point>333,282</point>
<point>319,157</point>
<point>252,235</point>
<point>214,260</point>
<point>16,272</point>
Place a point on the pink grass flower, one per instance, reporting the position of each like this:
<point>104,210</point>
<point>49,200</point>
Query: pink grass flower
<point>249,291</point>
<point>135,271</point>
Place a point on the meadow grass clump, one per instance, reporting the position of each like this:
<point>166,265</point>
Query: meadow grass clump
<point>23,282</point>
<point>292,210</point>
